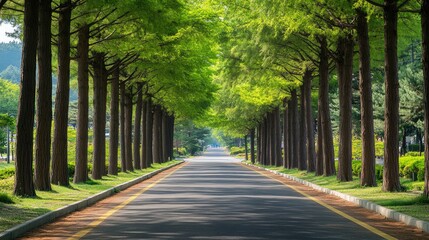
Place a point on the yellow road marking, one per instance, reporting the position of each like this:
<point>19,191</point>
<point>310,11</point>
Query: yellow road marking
<point>106,215</point>
<point>343,214</point>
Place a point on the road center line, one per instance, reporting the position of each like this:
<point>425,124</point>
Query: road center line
<point>343,214</point>
<point>106,215</point>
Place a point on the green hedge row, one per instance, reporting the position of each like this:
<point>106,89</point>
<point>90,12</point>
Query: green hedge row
<point>409,167</point>
<point>237,150</point>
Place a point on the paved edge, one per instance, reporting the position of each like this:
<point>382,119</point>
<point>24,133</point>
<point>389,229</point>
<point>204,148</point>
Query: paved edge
<point>29,225</point>
<point>389,213</point>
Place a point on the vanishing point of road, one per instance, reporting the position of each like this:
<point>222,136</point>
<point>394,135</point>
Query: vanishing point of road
<point>215,197</point>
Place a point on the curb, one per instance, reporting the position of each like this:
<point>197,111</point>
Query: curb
<point>386,212</point>
<point>29,225</point>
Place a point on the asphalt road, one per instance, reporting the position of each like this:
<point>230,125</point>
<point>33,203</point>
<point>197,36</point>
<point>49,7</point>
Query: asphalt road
<point>213,197</point>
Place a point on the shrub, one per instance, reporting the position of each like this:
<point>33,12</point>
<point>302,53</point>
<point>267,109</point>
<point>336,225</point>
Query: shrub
<point>5,198</point>
<point>412,167</point>
<point>414,154</point>
<point>237,150</point>
<point>357,169</point>
<point>7,173</point>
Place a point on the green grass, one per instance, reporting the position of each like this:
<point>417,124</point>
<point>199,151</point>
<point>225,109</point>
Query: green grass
<point>410,203</point>
<point>4,165</point>
<point>25,209</point>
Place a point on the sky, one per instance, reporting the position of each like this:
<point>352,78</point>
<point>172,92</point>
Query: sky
<point>6,27</point>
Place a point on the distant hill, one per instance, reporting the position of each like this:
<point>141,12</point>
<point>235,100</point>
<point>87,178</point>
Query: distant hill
<point>11,73</point>
<point>10,54</point>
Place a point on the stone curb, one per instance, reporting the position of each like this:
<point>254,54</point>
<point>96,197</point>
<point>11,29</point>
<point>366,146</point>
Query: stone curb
<point>29,225</point>
<point>389,213</point>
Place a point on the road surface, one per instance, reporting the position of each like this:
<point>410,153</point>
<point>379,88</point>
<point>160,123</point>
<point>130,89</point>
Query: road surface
<point>214,197</point>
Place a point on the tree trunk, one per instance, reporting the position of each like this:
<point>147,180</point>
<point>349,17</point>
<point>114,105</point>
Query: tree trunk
<point>425,59</point>
<point>164,136</point>
<point>291,139</point>
<point>404,141</point>
<point>122,126</point>
<point>263,142</point>
<point>327,140</point>
<point>156,135</point>
<point>8,144</point>
<point>309,121</point>
<point>59,146</point>
<point>278,134</point>
<point>286,134</point>
<point>319,159</point>
<point>302,164</point>
<point>391,112</point>
<point>44,99</point>
<point>258,143</point>
<point>24,185</point>
<point>81,161</point>
<point>272,135</point>
<point>345,67</point>
<point>245,148</point>
<point>144,160</point>
<point>295,129</point>
<point>114,123</point>
<point>128,130</point>
<point>99,100</point>
<point>149,132</point>
<point>137,128</point>
<point>252,145</point>
<point>365,89</point>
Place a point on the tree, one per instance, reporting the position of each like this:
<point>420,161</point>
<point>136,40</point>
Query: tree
<point>59,146</point>
<point>24,185</point>
<point>44,100</point>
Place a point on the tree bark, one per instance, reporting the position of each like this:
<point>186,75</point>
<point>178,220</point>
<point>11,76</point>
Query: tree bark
<point>302,164</point>
<point>345,77</point>
<point>327,139</point>
<point>252,145</point>
<point>286,134</point>
<point>24,185</point>
<point>295,129</point>
<point>425,59</point>
<point>122,126</point>
<point>99,102</point>
<point>59,147</point>
<point>391,181</point>
<point>366,111</point>
<point>137,128</point>
<point>404,141</point>
<point>81,161</point>
<point>114,123</point>
<point>319,159</point>
<point>309,121</point>
<point>164,136</point>
<point>272,135</point>
<point>291,139</point>
<point>144,160</point>
<point>258,143</point>
<point>278,134</point>
<point>156,135</point>
<point>44,100</point>
<point>246,155</point>
<point>149,132</point>
<point>128,131</point>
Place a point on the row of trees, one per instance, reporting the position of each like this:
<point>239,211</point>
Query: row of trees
<point>150,58</point>
<point>277,51</point>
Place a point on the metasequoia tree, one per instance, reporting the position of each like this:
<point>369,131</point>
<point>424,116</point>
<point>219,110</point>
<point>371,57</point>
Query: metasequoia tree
<point>24,185</point>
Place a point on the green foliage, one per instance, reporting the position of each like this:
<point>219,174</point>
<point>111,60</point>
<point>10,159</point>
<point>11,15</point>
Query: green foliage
<point>9,94</point>
<point>5,198</point>
<point>236,150</point>
<point>7,172</point>
<point>357,148</point>
<point>412,167</point>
